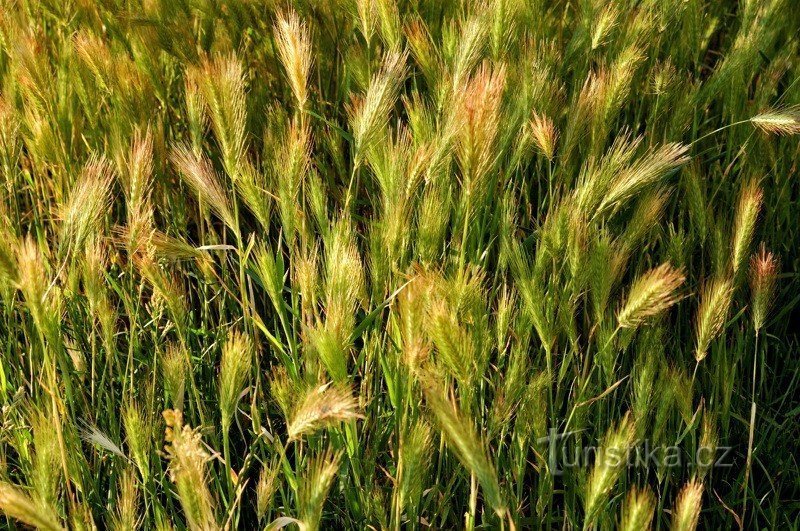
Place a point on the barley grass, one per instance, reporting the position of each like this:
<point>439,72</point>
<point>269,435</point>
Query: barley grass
<point>371,264</point>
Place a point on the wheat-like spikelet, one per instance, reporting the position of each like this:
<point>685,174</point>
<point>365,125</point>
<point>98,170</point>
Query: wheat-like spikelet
<point>644,219</point>
<point>195,112</point>
<point>471,43</point>
<point>15,503</point>
<point>644,172</point>
<point>96,55</point>
<point>8,263</point>
<point>598,173</point>
<point>173,368</point>
<point>95,266</point>
<point>366,18</point>
<point>9,129</point>
<point>331,345</point>
<point>344,287</point>
<point>369,115</point>
<point>477,114</point>
<point>638,510</point>
<point>321,406</point>
<point>465,442</point>
<point>779,121</point>
<point>266,487</point>
<point>307,278</point>
<point>88,203</point>
<point>136,172</point>
<point>221,83</point>
<point>270,269</point>
<point>423,50</point>
<point>603,25</point>
<point>32,281</point>
<point>138,435</point>
<point>291,168</point>
<point>545,135</point>
<point>313,487</point>
<point>187,469</point>
<point>686,513</point>
<point>294,49</point>
<point>413,462</point>
<point>764,268</point>
<point>715,302</point>
<point>388,22</point>
<point>166,288</point>
<point>651,294</point>
<point>126,517</point>
<point>49,459</point>
<point>235,364</point>
<point>611,460</point>
<point>745,223</point>
<point>198,172</point>
<point>707,449</point>
<point>453,343</point>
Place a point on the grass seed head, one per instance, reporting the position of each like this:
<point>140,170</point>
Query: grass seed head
<point>313,488</point>
<point>414,451</point>
<point>715,302</point>
<point>235,365</point>
<point>747,211</point>
<point>779,121</point>
<point>187,469</point>
<point>686,513</point>
<point>200,175</point>
<point>764,267</point>
<point>138,434</point>
<point>610,462</point>
<point>650,295</point>
<point>17,504</point>
<point>545,135</point>
<point>88,204</point>
<point>126,516</point>
<point>266,487</point>
<point>294,49</point>
<point>638,510</point>
<point>707,450</point>
<point>369,115</point>
<point>221,83</point>
<point>174,367</point>
<point>322,406</point>
<point>464,441</point>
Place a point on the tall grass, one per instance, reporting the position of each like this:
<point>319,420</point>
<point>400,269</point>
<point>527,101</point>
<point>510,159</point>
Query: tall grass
<point>393,264</point>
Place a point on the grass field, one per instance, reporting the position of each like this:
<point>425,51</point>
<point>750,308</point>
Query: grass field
<point>384,264</point>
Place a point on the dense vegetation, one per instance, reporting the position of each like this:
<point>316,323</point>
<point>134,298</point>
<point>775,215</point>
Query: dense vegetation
<point>387,264</point>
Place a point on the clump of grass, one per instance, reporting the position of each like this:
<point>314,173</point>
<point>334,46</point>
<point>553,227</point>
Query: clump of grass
<point>386,264</point>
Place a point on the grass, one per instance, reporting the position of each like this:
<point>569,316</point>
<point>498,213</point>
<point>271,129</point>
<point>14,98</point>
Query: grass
<point>399,264</point>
